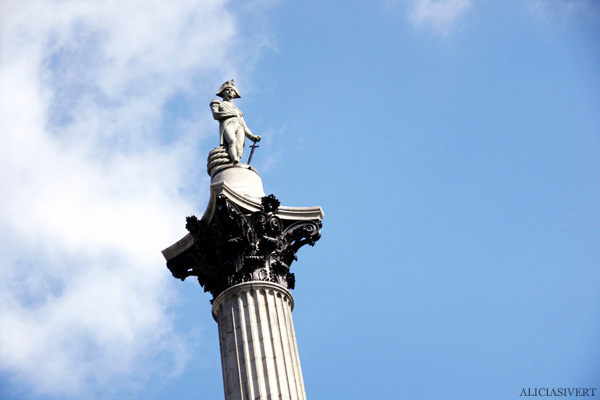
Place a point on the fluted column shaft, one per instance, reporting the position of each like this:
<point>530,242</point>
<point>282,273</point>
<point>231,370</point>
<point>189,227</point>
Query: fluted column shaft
<point>259,354</point>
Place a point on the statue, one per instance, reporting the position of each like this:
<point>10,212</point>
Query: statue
<point>232,127</point>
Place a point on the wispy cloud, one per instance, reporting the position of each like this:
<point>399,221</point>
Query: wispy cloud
<point>92,184</point>
<point>441,15</point>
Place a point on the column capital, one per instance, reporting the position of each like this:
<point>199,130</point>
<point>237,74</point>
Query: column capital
<point>243,241</point>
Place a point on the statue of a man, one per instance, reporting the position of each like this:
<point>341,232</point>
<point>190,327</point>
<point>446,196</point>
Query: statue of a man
<point>232,127</point>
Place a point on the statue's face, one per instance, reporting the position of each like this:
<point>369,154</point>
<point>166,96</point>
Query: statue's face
<point>229,93</point>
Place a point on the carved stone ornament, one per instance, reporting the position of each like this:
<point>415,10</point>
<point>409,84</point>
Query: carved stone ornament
<point>238,246</point>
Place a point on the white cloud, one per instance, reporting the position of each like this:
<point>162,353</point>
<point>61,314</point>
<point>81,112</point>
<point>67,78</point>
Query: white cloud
<point>439,14</point>
<point>92,187</point>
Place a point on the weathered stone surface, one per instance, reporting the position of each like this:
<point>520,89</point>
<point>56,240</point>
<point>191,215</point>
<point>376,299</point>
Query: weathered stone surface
<point>259,354</point>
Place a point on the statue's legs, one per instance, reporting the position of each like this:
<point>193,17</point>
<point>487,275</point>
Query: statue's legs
<point>239,140</point>
<point>230,136</point>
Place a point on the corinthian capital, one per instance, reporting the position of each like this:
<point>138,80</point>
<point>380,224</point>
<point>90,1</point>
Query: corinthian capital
<point>239,245</point>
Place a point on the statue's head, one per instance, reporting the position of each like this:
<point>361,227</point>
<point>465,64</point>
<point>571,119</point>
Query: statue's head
<point>229,85</point>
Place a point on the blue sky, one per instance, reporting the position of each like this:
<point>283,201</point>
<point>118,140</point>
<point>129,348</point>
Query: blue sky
<point>454,146</point>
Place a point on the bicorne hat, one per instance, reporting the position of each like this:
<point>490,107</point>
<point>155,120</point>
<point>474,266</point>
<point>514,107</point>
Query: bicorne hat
<point>226,85</point>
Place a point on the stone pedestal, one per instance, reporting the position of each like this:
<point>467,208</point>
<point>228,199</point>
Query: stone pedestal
<point>259,354</point>
<point>241,178</point>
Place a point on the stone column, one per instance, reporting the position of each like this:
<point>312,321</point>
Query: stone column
<point>241,251</point>
<point>259,354</point>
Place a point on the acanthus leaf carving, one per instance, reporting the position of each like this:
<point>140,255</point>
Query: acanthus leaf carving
<point>236,247</point>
